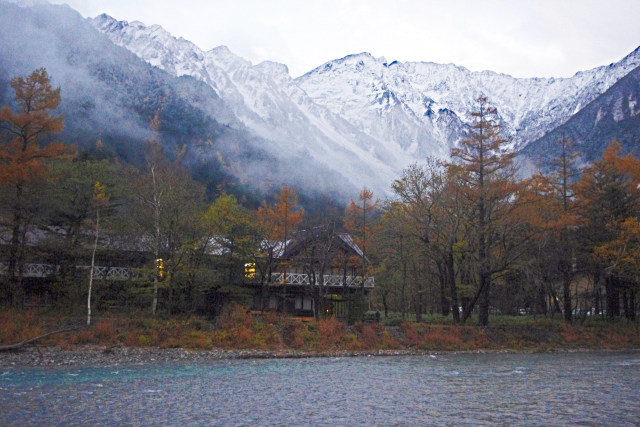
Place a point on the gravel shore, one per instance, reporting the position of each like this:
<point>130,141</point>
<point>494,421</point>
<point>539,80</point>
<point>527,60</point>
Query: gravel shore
<point>101,356</point>
<point>91,355</point>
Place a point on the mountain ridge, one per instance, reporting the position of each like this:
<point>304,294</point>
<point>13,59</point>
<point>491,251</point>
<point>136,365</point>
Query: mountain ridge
<point>396,112</point>
<point>109,93</point>
<point>351,122</point>
<point>615,114</point>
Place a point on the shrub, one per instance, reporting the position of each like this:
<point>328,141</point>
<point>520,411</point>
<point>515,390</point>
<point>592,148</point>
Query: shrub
<point>196,340</point>
<point>411,334</point>
<point>16,327</point>
<point>234,316</point>
<point>105,332</point>
<point>84,337</point>
<point>568,334</point>
<point>144,340</point>
<point>330,333</point>
<point>370,334</point>
<point>441,338</point>
<point>240,337</point>
<point>296,334</point>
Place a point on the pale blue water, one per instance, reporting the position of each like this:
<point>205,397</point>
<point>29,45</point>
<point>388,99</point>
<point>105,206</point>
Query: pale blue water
<point>590,388</point>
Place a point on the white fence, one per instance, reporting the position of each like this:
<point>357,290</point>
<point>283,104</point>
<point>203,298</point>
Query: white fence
<point>46,270</point>
<point>328,280</point>
<point>126,273</point>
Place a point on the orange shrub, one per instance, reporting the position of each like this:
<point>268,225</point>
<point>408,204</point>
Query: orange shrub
<point>370,335</point>
<point>388,342</point>
<point>474,338</point>
<point>613,340</point>
<point>104,332</point>
<point>240,337</point>
<point>568,334</point>
<point>234,316</point>
<point>411,335</point>
<point>16,327</point>
<point>296,334</point>
<point>441,338</point>
<point>330,333</point>
<point>84,337</point>
<point>197,340</point>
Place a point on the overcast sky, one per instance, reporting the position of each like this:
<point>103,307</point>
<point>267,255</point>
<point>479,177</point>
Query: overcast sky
<point>537,38</point>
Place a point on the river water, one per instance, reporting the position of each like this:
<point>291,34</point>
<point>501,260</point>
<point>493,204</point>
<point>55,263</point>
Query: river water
<point>581,388</point>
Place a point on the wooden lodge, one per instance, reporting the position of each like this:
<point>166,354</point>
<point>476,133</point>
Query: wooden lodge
<point>317,272</point>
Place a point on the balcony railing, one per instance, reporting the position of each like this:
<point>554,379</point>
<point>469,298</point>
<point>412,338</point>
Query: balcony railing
<point>45,270</point>
<point>328,280</point>
<point>125,273</point>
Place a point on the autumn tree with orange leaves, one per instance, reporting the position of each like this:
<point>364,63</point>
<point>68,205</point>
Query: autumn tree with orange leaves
<point>491,190</point>
<point>25,159</point>
<point>359,222</point>
<point>552,213</point>
<point>277,222</point>
<point>281,218</point>
<point>608,196</point>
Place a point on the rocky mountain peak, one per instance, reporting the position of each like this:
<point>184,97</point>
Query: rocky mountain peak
<point>374,112</point>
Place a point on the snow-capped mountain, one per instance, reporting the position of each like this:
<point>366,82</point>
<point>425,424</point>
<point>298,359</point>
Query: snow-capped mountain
<point>614,115</point>
<point>268,102</point>
<point>364,116</point>
<point>352,122</point>
<point>377,96</point>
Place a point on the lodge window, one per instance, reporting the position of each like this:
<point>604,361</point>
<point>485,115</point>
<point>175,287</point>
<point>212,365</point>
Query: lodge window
<point>303,303</point>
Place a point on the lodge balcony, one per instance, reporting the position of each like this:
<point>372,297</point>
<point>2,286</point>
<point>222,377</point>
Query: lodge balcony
<point>36,270</point>
<point>307,280</point>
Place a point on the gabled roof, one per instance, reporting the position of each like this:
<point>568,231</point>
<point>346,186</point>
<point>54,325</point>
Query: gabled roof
<point>299,239</point>
<point>346,238</point>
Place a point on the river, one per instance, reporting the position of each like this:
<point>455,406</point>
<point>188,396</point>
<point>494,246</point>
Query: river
<point>576,388</point>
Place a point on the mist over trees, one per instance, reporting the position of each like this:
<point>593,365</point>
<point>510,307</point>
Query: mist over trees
<point>461,238</point>
<point>110,94</point>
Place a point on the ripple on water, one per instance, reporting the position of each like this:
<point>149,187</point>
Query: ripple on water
<point>540,389</point>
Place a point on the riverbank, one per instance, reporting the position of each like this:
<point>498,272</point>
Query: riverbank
<point>99,356</point>
<point>92,355</point>
<point>237,334</point>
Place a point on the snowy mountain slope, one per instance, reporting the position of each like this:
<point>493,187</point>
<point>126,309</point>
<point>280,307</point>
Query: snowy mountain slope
<point>613,115</point>
<point>267,101</point>
<point>109,93</point>
<point>361,117</point>
<point>364,116</point>
<point>364,89</point>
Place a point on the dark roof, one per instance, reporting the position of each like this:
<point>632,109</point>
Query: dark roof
<point>301,238</point>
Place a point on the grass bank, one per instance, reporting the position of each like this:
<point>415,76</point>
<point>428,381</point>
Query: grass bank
<point>237,329</point>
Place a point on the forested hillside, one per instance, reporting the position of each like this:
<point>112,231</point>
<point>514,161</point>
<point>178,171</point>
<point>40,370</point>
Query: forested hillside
<point>463,237</point>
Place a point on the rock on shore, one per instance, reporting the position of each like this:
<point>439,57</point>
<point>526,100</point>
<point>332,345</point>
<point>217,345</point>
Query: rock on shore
<point>101,356</point>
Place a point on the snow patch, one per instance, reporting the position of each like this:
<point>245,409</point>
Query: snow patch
<point>618,113</point>
<point>362,116</point>
<point>632,105</point>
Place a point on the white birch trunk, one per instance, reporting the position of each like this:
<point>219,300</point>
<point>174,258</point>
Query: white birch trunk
<point>93,263</point>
